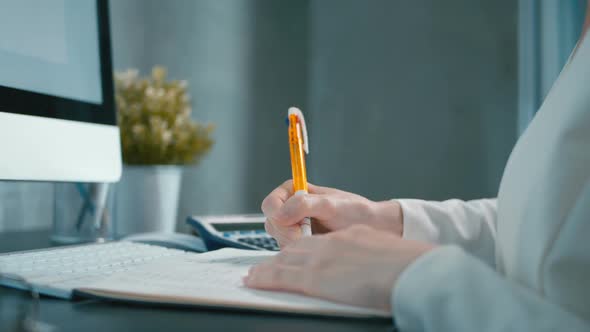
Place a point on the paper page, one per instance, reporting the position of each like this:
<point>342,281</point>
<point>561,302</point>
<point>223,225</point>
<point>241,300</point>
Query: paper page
<point>215,279</point>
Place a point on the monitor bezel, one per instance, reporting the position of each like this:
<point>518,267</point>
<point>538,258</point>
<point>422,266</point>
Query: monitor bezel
<point>43,105</point>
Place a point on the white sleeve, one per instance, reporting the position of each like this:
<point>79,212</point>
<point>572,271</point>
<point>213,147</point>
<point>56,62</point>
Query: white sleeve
<point>449,290</point>
<point>469,224</point>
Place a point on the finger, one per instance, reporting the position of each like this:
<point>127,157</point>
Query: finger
<point>275,277</point>
<point>283,235</point>
<point>301,206</point>
<point>282,193</point>
<point>315,189</point>
<point>277,198</point>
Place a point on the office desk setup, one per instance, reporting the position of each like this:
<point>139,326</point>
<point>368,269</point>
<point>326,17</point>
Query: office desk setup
<point>59,124</point>
<point>94,315</point>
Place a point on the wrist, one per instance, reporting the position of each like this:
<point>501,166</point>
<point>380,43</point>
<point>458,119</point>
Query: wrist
<point>388,216</point>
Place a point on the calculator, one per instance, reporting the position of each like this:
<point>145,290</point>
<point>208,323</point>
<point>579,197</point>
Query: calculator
<point>235,231</point>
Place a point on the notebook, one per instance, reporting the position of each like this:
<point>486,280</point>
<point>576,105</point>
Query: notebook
<point>212,279</point>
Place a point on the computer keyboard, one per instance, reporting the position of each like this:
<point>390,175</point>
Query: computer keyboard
<point>58,271</point>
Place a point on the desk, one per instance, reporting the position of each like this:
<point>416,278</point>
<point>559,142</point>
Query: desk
<point>91,315</point>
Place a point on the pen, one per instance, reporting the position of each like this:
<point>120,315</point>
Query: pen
<point>99,192</point>
<point>88,206</point>
<point>298,147</point>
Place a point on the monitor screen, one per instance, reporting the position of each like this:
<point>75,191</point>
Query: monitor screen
<point>56,39</point>
<point>56,62</point>
<point>57,112</point>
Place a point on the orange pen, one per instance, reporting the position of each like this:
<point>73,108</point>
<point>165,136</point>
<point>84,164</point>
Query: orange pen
<point>299,146</point>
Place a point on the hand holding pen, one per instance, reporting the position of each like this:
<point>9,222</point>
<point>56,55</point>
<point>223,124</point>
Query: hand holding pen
<point>331,209</point>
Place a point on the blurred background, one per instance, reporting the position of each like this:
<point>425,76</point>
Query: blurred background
<point>405,99</point>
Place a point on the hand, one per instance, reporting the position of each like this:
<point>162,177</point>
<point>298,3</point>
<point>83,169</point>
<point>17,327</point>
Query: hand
<point>330,210</point>
<point>357,266</point>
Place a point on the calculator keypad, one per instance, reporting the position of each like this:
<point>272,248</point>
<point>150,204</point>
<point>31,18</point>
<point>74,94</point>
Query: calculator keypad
<point>267,243</point>
<point>257,238</point>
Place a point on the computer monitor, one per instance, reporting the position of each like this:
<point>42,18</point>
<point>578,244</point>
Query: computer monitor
<point>57,113</point>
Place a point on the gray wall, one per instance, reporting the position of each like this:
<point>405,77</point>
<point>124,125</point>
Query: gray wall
<point>403,98</point>
<point>412,98</point>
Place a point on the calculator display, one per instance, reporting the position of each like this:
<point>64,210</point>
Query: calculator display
<point>250,226</point>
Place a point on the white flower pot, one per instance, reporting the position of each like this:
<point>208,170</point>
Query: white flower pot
<point>147,199</point>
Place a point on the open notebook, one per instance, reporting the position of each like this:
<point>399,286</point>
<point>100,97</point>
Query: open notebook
<point>212,279</point>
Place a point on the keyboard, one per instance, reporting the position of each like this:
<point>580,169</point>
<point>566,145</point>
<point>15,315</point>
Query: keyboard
<point>58,271</point>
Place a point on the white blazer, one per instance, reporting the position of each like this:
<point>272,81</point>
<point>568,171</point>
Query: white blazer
<point>521,262</point>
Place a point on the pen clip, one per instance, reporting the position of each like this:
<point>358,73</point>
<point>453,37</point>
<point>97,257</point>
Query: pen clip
<point>301,120</point>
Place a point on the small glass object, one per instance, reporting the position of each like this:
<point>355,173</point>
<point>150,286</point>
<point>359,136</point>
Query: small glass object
<point>83,212</point>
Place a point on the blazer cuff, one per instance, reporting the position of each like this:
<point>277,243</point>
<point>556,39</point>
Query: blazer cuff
<point>416,223</point>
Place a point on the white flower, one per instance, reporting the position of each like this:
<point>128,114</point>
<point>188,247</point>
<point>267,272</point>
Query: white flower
<point>138,130</point>
<point>150,92</point>
<point>127,77</point>
<point>166,137</point>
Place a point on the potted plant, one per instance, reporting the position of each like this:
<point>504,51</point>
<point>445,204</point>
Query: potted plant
<point>158,138</point>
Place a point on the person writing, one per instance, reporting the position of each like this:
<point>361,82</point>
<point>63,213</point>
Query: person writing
<point>520,262</point>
